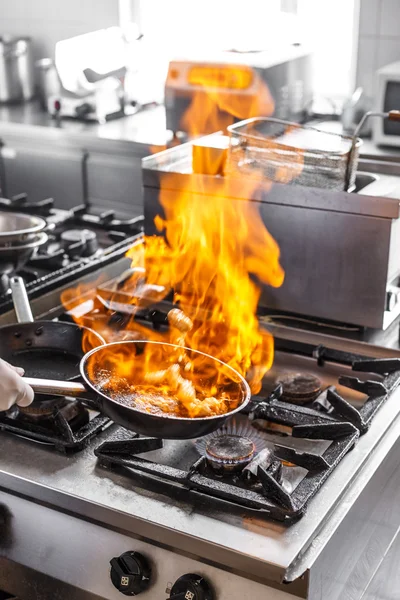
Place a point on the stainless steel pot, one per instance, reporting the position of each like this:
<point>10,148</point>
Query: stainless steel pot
<point>16,69</point>
<point>14,256</point>
<point>16,228</point>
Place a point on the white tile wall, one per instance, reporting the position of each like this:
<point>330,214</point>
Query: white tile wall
<point>48,21</point>
<point>369,17</point>
<point>366,63</point>
<point>389,18</point>
<point>379,39</point>
<point>388,51</point>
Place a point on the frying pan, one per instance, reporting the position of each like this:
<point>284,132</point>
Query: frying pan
<point>48,349</point>
<point>161,426</point>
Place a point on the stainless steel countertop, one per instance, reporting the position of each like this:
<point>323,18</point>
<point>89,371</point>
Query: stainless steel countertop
<point>247,544</point>
<point>145,128</point>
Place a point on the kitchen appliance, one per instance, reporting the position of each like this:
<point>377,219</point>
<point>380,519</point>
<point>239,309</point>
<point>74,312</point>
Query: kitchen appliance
<point>286,71</point>
<point>285,501</point>
<point>333,230</point>
<point>387,98</point>
<point>91,70</point>
<point>224,516</point>
<point>103,102</point>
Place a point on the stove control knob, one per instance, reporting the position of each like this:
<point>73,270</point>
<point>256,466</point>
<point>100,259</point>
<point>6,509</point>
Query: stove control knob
<point>191,587</point>
<point>130,573</point>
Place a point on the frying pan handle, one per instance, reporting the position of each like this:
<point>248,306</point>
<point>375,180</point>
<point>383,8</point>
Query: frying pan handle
<point>20,299</point>
<point>51,387</point>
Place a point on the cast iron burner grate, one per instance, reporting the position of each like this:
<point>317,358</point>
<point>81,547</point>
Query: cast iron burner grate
<point>57,431</point>
<point>336,421</point>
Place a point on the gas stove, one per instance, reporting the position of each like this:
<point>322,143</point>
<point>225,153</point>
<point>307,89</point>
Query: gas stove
<point>274,499</point>
<point>80,242</point>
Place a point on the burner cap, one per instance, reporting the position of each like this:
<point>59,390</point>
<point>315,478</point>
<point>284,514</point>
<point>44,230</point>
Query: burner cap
<point>80,237</point>
<point>299,388</point>
<point>42,407</point>
<point>72,236</point>
<point>227,453</point>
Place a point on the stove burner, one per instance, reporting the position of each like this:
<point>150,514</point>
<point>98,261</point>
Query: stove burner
<point>299,388</point>
<point>42,408</point>
<point>82,242</point>
<point>229,453</point>
<point>69,427</point>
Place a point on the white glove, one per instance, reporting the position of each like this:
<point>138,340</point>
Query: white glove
<point>13,389</point>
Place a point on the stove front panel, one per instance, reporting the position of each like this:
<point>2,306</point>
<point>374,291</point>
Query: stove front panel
<point>38,543</point>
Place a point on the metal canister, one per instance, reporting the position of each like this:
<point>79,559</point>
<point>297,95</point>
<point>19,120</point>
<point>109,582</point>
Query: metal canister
<point>49,82</point>
<point>23,52</point>
<point>16,69</point>
<point>10,87</point>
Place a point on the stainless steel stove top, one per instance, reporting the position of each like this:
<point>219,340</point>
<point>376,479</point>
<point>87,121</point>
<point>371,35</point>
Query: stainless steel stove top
<point>132,513</point>
<point>261,548</point>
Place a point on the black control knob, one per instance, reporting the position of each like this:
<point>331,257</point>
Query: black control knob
<point>191,587</point>
<point>130,573</point>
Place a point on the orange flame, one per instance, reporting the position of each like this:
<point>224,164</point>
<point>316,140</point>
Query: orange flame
<point>213,253</point>
<point>213,109</point>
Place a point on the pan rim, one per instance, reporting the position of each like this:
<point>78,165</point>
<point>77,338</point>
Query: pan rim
<point>42,322</point>
<point>167,417</point>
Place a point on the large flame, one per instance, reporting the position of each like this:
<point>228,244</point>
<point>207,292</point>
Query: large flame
<point>213,252</point>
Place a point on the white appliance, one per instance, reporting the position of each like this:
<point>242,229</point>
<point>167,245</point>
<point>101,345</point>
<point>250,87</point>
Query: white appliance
<point>386,132</point>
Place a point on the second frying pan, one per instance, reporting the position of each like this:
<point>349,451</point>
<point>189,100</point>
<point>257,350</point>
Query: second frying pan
<point>47,349</point>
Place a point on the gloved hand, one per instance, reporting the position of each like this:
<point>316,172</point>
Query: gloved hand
<point>13,389</point>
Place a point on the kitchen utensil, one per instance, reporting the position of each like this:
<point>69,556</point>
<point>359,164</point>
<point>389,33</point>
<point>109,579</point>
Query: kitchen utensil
<point>18,227</point>
<point>14,256</point>
<point>16,71</point>
<point>291,153</point>
<point>164,426</point>
<point>49,349</point>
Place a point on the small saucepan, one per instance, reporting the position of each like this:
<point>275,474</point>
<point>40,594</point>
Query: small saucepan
<point>96,368</point>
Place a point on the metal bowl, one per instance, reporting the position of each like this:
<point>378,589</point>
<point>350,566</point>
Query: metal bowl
<point>17,227</point>
<point>14,257</point>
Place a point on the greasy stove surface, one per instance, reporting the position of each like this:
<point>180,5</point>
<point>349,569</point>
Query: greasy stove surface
<point>236,538</point>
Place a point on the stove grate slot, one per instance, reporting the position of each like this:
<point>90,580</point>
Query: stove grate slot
<point>324,431</point>
<point>58,432</point>
<point>381,366</point>
<point>307,460</point>
<point>135,445</point>
<point>274,490</point>
<point>370,388</point>
<point>345,410</point>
